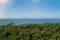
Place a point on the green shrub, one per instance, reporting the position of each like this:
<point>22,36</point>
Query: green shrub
<point>46,31</point>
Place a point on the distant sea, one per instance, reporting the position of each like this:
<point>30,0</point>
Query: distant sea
<point>26,21</point>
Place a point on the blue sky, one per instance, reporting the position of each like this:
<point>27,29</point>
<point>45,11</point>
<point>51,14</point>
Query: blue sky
<point>21,9</point>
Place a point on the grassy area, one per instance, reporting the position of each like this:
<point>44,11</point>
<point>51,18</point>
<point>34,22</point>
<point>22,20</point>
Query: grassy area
<point>46,31</point>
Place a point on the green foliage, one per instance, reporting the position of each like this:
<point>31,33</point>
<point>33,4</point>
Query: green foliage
<point>47,31</point>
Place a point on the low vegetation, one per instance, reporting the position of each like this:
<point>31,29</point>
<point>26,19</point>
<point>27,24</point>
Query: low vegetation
<point>46,31</point>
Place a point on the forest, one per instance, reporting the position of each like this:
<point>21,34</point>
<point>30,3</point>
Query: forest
<point>45,31</point>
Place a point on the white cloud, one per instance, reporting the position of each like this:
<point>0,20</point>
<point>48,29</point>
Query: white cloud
<point>3,1</point>
<point>1,13</point>
<point>3,4</point>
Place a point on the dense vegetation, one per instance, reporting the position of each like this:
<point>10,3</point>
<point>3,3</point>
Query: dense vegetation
<point>46,31</point>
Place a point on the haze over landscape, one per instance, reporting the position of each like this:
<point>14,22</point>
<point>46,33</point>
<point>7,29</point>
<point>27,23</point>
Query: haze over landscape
<point>29,9</point>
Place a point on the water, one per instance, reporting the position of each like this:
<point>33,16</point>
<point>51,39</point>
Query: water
<point>25,21</point>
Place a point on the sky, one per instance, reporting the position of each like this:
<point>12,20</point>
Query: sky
<point>29,9</point>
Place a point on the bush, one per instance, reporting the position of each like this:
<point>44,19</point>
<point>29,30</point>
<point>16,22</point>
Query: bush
<point>47,31</point>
